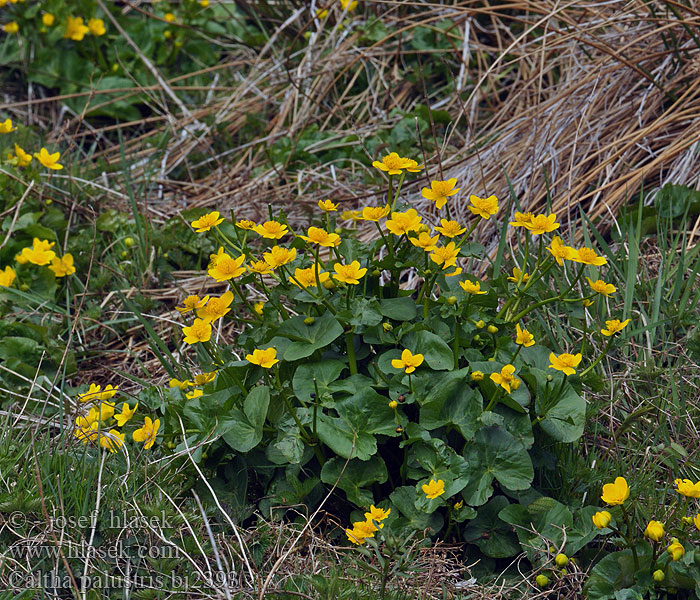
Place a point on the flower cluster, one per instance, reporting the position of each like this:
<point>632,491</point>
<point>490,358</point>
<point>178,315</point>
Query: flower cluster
<point>99,424</point>
<point>39,253</point>
<point>361,530</point>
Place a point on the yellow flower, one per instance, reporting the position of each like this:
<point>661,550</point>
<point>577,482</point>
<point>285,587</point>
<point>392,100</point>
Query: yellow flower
<point>11,28</point>
<point>696,521</point>
<point>75,29</point>
<point>517,273</point>
<point>62,266</point>
<point>523,337</point>
<point>393,164</point>
<point>316,235</point>
<point>193,394</point>
<point>97,27</point>
<point>586,302</point>
<point>327,206</point>
<point>450,229</point>
<point>7,277</point>
<point>404,222</point>
<point>433,489</point>
<point>271,230</point>
<point>484,207</point>
<point>225,267</point>
<point>6,126</point>
<point>109,392</point>
<point>278,256</point>
<point>265,358</point>
<point>350,5</point>
<point>112,440</point>
<point>458,505</point>
<point>361,531</point>
<point>258,308</point>
<point>102,413</point>
<point>521,219</point>
<point>374,213</point>
<point>457,271</point>
<point>439,191</point>
<point>542,224</point>
<point>685,487</point>
<point>445,255</point>
<point>350,274</point>
<point>654,530</point>
<point>176,383</point>
<point>602,519</point>
<point>93,393</point>
<point>393,404</point>
<point>377,514</point>
<point>471,287</point>
<point>408,361</point>
<point>47,19</point>
<point>614,326</point>
<point>204,378</point>
<point>307,277</point>
<point>601,287</point>
<point>676,551</point>
<point>588,256</point>
<point>147,433</point>
<point>505,378</point>
<point>424,241</point>
<point>560,251</point>
<point>39,254</point>
<point>216,308</point>
<point>199,331</point>
<point>169,17</point>
<point>22,158</point>
<point>126,414</point>
<point>351,215</point>
<point>206,222</point>
<point>565,362</point>
<point>86,431</point>
<point>204,3</point>
<point>50,161</point>
<point>245,224</point>
<point>615,493</point>
<point>192,302</point>
<point>477,376</point>
<point>260,267</point>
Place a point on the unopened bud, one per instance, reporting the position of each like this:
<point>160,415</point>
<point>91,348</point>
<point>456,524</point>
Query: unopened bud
<point>492,329</point>
<point>452,300</point>
<point>309,321</point>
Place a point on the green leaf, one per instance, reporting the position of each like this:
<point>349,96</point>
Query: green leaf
<point>495,453</point>
<point>344,439</point>
<point>615,572</point>
<point>306,339</point>
<point>243,428</point>
<point>565,420</point>
<point>398,309</point>
<point>356,477</point>
<point>449,399</point>
<point>404,499</point>
<point>325,372</point>
<point>490,533</point>
<point>437,353</point>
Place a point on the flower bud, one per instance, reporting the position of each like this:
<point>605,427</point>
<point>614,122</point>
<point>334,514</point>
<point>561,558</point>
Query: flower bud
<point>423,228</point>
<point>399,429</point>
<point>329,284</point>
<point>659,575</point>
<point>401,398</point>
<point>676,550</point>
<point>477,376</point>
<point>376,273</point>
<point>479,324</point>
<point>123,254</point>
<point>452,300</point>
<point>393,404</point>
<point>561,560</point>
<point>542,580</point>
<point>24,287</point>
<point>602,519</point>
<point>129,242</point>
<point>387,327</point>
<point>492,329</point>
<point>309,321</point>
<point>654,530</point>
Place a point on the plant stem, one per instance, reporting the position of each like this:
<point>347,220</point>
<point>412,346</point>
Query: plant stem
<point>350,347</point>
